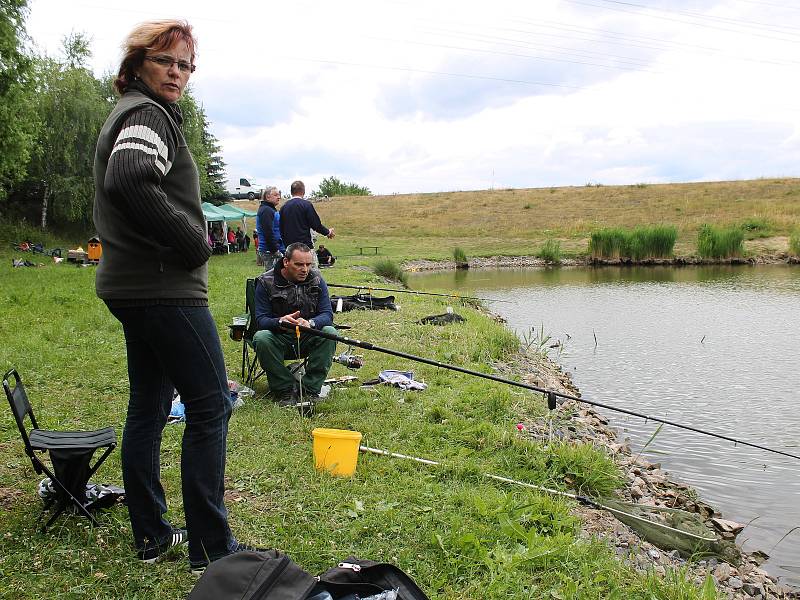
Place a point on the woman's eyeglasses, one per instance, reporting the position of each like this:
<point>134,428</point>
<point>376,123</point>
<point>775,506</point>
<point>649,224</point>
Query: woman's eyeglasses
<point>168,61</point>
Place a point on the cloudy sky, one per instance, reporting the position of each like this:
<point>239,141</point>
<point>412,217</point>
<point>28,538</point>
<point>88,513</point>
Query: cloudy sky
<point>440,95</point>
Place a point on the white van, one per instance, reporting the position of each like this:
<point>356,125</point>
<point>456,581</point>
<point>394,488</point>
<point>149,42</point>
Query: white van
<point>246,189</point>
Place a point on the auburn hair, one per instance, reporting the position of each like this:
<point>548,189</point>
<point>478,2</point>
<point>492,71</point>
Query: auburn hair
<point>147,37</point>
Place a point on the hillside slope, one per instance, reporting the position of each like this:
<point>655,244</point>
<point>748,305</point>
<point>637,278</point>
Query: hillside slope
<point>518,221</point>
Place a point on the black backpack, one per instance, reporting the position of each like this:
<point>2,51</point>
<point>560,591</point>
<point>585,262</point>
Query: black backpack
<point>367,578</point>
<point>272,575</point>
<point>269,575</point>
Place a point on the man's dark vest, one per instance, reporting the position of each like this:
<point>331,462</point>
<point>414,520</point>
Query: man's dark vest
<point>287,297</point>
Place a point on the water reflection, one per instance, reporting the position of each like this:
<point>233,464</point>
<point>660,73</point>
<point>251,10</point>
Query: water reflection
<point>499,279</point>
<point>713,347</point>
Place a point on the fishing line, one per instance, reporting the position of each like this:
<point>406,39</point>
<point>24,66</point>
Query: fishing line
<point>369,289</point>
<point>585,500</point>
<point>302,369</point>
<point>551,394</point>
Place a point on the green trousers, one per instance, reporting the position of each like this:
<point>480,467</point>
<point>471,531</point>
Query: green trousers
<point>273,348</point>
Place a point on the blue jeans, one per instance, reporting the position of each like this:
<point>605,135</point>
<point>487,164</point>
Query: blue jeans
<point>176,347</point>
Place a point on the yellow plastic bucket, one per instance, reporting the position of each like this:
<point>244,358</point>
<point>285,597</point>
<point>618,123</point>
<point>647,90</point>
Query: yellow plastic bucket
<point>336,450</point>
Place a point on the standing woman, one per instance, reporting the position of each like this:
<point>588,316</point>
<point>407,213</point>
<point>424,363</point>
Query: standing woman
<point>154,280</point>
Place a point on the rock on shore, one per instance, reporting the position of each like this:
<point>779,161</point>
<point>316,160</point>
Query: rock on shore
<point>647,484</point>
<point>524,262</point>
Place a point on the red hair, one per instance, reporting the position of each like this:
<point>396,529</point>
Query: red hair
<point>147,37</point>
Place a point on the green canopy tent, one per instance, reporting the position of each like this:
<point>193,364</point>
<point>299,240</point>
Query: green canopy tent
<point>212,214</point>
<point>243,211</point>
<point>230,213</point>
<point>226,213</point>
<point>234,213</point>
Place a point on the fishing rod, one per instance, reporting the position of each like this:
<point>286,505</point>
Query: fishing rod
<point>369,288</point>
<point>551,394</point>
<point>585,500</point>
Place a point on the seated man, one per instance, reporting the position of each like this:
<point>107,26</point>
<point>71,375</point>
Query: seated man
<point>324,256</point>
<point>295,295</point>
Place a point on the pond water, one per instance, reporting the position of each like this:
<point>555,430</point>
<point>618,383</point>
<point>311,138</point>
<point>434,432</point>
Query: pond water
<point>710,347</point>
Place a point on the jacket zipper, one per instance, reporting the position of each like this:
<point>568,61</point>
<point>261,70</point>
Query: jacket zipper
<point>267,583</point>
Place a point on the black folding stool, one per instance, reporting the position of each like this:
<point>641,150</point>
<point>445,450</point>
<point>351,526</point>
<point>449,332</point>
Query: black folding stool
<point>71,452</point>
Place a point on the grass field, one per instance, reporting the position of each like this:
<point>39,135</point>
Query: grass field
<point>518,222</point>
<point>457,535</point>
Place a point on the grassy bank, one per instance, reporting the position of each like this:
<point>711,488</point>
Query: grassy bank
<point>459,536</point>
<point>528,222</point>
<point>518,222</point>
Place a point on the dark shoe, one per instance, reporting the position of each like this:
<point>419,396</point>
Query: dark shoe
<point>198,568</point>
<point>155,553</point>
<point>286,398</point>
<point>293,399</point>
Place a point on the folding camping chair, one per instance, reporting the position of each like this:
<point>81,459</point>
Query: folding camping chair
<point>251,369</point>
<point>245,327</point>
<point>71,452</point>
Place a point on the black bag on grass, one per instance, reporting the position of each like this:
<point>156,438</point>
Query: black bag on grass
<point>272,575</point>
<point>367,578</point>
<point>362,302</point>
<point>269,575</point>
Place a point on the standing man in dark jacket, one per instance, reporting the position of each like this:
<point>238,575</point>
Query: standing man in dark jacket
<point>294,294</point>
<point>270,245</point>
<point>298,218</point>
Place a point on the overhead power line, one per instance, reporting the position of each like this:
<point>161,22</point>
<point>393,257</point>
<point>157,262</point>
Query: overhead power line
<point>429,72</point>
<point>518,43</point>
<point>683,21</point>
<point>514,54</point>
<point>708,17</point>
<point>635,41</point>
<point>768,4</point>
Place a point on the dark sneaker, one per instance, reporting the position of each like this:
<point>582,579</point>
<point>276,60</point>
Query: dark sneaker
<point>198,568</point>
<point>287,398</point>
<point>284,397</point>
<point>293,399</point>
<point>155,553</point>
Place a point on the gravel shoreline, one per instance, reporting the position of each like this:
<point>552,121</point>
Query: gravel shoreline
<point>520,262</point>
<point>646,483</point>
